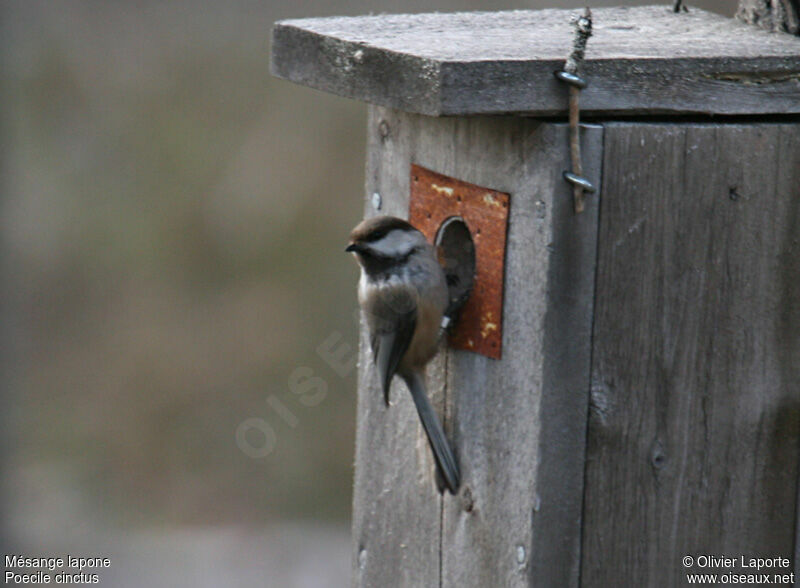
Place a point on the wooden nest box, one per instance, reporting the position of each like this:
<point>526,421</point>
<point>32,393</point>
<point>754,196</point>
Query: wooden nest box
<point>641,400</point>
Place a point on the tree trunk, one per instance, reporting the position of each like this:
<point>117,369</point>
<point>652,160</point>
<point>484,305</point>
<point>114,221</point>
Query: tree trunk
<point>773,15</point>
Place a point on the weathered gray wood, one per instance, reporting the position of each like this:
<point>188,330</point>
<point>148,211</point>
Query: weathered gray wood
<point>396,507</point>
<point>777,16</point>
<point>694,433</point>
<point>639,60</point>
<point>518,425</point>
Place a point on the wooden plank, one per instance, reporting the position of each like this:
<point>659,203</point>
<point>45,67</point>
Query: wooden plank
<point>788,179</point>
<point>558,503</point>
<point>518,425</point>
<point>640,60</point>
<point>781,16</point>
<point>694,428</point>
<point>396,507</point>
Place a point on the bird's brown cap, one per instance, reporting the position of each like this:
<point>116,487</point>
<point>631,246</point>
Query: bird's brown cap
<point>374,228</point>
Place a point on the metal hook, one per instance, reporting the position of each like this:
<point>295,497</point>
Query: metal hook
<point>571,79</point>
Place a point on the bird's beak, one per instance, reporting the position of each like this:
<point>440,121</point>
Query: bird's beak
<point>353,248</point>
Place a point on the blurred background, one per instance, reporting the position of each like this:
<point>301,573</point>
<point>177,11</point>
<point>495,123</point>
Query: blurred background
<point>173,221</point>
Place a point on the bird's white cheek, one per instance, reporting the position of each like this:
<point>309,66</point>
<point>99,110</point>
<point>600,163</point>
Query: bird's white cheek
<point>363,288</point>
<point>396,243</point>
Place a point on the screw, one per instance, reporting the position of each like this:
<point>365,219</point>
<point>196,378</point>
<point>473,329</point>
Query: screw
<point>384,130</point>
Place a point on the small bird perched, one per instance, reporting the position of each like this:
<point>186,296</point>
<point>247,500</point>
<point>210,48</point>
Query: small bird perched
<point>403,294</point>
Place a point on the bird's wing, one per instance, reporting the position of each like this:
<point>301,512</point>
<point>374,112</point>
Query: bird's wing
<point>394,319</point>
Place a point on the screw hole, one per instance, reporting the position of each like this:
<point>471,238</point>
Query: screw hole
<point>383,130</point>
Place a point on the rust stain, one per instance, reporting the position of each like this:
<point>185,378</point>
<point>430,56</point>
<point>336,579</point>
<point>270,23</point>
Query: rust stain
<point>434,199</point>
<point>442,189</point>
<point>491,200</point>
<point>487,326</point>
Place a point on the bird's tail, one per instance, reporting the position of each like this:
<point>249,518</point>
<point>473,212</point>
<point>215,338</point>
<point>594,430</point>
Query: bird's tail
<point>442,453</point>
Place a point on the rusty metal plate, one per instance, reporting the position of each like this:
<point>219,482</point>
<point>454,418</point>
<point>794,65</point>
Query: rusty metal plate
<point>434,199</point>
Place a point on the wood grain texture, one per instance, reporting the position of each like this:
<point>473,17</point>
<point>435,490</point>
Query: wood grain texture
<point>516,520</point>
<point>520,423</point>
<point>639,60</point>
<point>694,429</point>
<point>777,16</point>
<point>396,507</point>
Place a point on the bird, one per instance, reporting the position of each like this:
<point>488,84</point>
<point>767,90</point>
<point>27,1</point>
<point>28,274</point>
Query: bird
<point>403,294</point>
